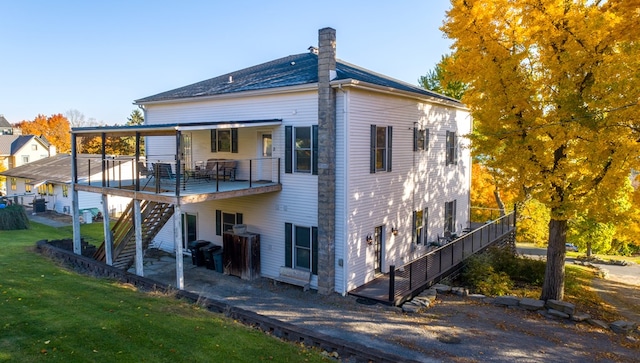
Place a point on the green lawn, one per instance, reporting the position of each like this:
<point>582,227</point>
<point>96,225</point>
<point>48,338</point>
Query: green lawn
<point>52,314</point>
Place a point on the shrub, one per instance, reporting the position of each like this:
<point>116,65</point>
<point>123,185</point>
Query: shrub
<point>521,269</point>
<point>481,277</point>
<point>13,217</point>
<point>495,271</point>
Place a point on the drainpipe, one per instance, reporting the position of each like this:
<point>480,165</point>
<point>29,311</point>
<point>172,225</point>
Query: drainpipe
<point>345,199</point>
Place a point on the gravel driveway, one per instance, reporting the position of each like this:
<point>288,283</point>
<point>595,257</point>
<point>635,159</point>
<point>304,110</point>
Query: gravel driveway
<point>455,329</point>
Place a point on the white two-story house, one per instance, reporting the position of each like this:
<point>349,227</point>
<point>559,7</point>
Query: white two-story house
<point>341,171</point>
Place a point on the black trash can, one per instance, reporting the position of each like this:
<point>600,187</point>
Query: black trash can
<point>197,255</point>
<point>39,206</point>
<point>209,252</point>
<point>217,259</point>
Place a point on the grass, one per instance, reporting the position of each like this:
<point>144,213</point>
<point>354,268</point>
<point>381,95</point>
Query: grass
<point>53,314</point>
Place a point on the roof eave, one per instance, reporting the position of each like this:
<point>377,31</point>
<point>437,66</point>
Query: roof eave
<point>394,91</point>
<point>241,94</point>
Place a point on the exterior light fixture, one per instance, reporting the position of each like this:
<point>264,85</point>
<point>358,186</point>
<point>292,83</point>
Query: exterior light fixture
<point>394,231</point>
<point>369,239</point>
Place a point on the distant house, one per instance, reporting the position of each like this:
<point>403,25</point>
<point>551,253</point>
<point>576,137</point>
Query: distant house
<point>17,150</point>
<point>50,179</point>
<point>5,126</point>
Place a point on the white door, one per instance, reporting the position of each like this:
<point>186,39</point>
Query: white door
<point>265,162</point>
<point>185,144</point>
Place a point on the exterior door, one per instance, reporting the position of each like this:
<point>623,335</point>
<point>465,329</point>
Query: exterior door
<point>189,230</point>
<point>265,162</point>
<point>185,144</point>
<point>378,246</point>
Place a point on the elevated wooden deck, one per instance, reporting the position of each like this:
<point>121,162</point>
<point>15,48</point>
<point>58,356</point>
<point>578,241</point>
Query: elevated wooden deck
<point>191,191</point>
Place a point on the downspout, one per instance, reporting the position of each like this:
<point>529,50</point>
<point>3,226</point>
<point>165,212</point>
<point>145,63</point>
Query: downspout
<point>75,210</point>
<point>345,202</point>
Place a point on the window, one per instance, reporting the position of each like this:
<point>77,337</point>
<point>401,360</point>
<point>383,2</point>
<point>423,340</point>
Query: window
<point>301,149</point>
<point>420,139</point>
<point>14,184</point>
<point>42,189</point>
<point>25,159</point>
<point>27,185</point>
<point>450,216</point>
<point>452,147</point>
<point>34,147</point>
<point>226,220</point>
<point>419,226</point>
<point>65,190</point>
<point>380,158</point>
<point>49,189</point>
<point>301,247</point>
<point>224,140</point>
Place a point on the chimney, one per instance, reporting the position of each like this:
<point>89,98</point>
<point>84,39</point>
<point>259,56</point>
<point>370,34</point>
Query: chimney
<point>326,161</point>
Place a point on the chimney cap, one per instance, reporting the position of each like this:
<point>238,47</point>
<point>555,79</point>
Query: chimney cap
<point>312,49</point>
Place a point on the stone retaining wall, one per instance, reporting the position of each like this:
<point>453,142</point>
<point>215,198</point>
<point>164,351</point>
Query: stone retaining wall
<point>551,308</point>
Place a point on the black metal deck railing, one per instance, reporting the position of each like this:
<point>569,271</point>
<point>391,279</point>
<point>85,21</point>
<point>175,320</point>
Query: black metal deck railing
<point>158,175</point>
<point>413,277</point>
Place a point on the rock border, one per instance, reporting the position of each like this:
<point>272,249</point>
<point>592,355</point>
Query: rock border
<point>553,309</point>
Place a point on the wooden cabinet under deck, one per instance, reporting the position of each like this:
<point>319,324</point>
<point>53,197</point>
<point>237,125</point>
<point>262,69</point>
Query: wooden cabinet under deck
<point>241,255</point>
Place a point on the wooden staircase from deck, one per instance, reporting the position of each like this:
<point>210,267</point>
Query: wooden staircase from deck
<point>154,216</point>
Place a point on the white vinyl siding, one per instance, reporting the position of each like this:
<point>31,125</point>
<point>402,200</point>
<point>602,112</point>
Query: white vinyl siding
<point>418,180</point>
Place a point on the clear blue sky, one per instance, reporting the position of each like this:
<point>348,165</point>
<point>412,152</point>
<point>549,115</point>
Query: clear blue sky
<point>99,56</point>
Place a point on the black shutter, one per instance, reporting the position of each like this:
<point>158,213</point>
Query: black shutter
<point>218,222</point>
<point>415,138</point>
<point>426,139</point>
<point>314,250</point>
<point>288,244</point>
<point>455,148</point>
<point>238,218</point>
<point>234,141</point>
<point>288,149</point>
<point>214,141</point>
<point>372,156</point>
<point>413,227</point>
<point>453,216</point>
<point>389,138</point>
<point>314,150</point>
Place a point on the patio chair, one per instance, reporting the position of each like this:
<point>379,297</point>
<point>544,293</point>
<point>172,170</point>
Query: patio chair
<point>220,169</point>
<point>144,170</point>
<point>163,171</point>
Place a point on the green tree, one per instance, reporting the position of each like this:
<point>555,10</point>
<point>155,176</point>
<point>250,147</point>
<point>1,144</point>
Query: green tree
<point>554,90</point>
<point>435,81</point>
<point>593,236</point>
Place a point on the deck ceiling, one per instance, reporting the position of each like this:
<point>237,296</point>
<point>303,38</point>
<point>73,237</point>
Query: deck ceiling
<point>168,129</point>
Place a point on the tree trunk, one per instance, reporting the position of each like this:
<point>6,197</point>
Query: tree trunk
<point>496,194</point>
<point>588,249</point>
<point>553,286</point>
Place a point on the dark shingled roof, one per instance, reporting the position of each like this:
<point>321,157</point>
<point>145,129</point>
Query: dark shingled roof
<point>55,169</point>
<point>289,71</point>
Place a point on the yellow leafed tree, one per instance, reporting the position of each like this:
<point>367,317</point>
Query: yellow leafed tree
<point>554,91</point>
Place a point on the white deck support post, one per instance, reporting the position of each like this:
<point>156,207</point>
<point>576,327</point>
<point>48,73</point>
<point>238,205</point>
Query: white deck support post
<point>177,236</point>
<point>137,226</point>
<point>75,209</point>
<point>108,240</point>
